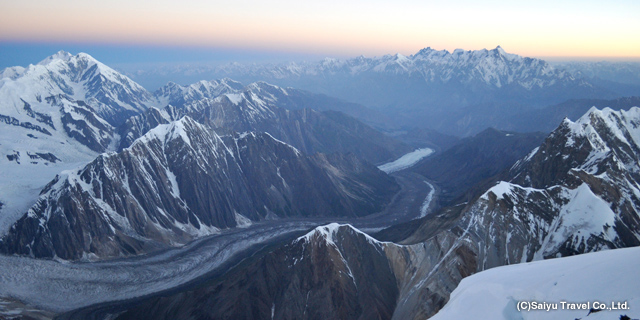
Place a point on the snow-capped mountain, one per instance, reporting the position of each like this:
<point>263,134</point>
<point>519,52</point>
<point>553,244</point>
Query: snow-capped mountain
<point>576,193</point>
<point>56,115</point>
<point>111,95</point>
<point>460,92</point>
<point>283,113</point>
<point>493,68</point>
<point>182,180</point>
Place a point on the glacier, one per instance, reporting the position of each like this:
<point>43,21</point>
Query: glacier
<point>406,161</point>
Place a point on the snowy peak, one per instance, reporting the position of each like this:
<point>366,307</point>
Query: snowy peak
<point>429,53</point>
<point>184,129</point>
<point>598,142</point>
<point>331,234</point>
<point>264,87</point>
<point>493,68</point>
<point>578,192</point>
<point>624,126</point>
<point>56,115</point>
<point>60,55</point>
<point>113,96</point>
<point>618,131</point>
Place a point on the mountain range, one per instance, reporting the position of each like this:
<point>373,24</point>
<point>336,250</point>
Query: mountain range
<point>289,115</point>
<point>64,111</point>
<point>459,93</point>
<point>557,201</point>
<point>229,187</point>
<point>181,180</point>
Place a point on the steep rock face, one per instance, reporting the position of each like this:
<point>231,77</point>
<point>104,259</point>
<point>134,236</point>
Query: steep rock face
<point>182,180</point>
<point>576,193</point>
<point>266,108</point>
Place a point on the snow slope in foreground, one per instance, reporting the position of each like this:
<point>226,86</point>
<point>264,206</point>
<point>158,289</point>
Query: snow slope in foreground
<point>601,277</point>
<point>406,161</point>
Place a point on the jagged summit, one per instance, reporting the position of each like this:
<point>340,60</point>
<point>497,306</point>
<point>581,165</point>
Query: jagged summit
<point>494,68</point>
<point>600,141</point>
<point>575,193</point>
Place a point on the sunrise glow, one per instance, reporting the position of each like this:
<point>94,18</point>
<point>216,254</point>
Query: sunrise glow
<point>542,28</point>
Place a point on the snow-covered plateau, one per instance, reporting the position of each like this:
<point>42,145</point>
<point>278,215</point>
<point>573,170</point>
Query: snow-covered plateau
<point>559,285</point>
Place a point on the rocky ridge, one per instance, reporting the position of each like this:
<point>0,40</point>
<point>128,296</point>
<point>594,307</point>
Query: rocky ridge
<point>182,180</point>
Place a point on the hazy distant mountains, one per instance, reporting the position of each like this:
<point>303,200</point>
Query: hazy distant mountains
<point>548,118</point>
<point>620,72</point>
<point>459,93</point>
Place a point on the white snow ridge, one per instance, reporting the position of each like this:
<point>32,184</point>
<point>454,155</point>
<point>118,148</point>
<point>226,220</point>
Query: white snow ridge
<point>602,277</point>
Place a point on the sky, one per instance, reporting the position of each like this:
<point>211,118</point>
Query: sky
<point>137,31</point>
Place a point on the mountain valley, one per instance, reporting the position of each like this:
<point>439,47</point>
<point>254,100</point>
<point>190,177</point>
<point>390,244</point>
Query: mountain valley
<point>386,188</point>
